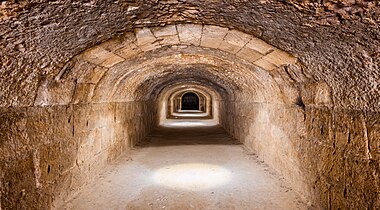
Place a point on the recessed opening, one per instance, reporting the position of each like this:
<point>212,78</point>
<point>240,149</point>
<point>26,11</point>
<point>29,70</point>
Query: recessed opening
<point>190,101</point>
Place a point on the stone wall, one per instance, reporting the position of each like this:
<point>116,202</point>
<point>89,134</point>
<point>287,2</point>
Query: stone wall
<point>273,132</point>
<point>329,155</point>
<point>48,153</point>
<point>341,155</point>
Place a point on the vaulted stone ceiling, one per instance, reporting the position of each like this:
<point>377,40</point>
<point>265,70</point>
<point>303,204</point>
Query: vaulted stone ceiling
<point>336,41</point>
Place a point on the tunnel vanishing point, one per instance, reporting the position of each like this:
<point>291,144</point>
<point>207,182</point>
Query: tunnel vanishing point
<point>85,83</point>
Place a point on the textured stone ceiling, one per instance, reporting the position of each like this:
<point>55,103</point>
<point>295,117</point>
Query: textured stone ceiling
<point>336,41</point>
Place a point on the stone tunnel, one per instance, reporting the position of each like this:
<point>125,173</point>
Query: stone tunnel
<point>186,104</point>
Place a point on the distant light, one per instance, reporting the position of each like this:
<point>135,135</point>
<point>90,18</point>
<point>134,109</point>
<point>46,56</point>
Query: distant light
<point>197,123</point>
<point>192,176</point>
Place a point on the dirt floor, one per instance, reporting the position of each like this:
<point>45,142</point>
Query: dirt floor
<point>188,168</point>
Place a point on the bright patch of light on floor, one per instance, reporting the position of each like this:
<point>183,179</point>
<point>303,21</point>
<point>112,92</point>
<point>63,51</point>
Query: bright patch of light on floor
<point>192,176</point>
<point>188,123</point>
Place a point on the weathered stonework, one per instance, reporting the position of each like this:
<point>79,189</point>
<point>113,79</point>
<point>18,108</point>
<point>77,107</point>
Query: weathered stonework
<point>298,83</point>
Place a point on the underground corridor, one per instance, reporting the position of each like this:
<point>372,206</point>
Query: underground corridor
<point>177,105</point>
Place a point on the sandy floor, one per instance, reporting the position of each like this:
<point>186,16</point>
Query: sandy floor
<point>188,168</point>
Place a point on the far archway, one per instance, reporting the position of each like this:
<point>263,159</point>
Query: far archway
<point>190,101</point>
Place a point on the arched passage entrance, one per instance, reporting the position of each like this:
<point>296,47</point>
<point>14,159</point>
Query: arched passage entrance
<point>190,101</point>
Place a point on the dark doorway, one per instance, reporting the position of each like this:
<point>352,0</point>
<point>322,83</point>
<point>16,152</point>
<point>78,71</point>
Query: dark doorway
<point>190,101</point>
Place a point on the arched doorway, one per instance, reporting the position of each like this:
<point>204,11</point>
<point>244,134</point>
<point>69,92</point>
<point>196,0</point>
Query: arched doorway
<point>190,101</point>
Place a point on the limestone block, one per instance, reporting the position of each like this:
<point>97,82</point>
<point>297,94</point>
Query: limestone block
<point>144,36</point>
<point>260,46</point>
<point>234,41</point>
<point>111,60</point>
<point>323,94</point>
<point>190,33</point>
<point>107,136</point>
<point>227,47</point>
<point>169,40</point>
<point>373,126</point>
<point>102,57</point>
<point>166,35</point>
<point>52,92</point>
<point>83,93</point>
<point>146,40</point>
<point>92,146</point>
<point>265,64</point>
<point>168,30</point>
<point>212,36</point>
<point>279,57</point>
<point>92,76</point>
<point>249,54</point>
<point>21,187</point>
<point>128,50</point>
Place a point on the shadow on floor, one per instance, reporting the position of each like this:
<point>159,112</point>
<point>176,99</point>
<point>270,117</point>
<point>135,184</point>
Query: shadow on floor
<point>200,135</point>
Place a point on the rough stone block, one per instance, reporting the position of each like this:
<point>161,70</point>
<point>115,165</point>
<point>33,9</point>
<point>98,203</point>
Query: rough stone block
<point>265,64</point>
<point>212,36</point>
<point>92,76</point>
<point>128,50</point>
<point>83,93</point>
<point>53,92</point>
<point>190,33</point>
<point>234,41</point>
<point>249,54</point>
<point>168,30</point>
<point>169,40</point>
<point>323,94</point>
<point>102,57</point>
<point>237,38</point>
<point>145,37</point>
<point>230,48</point>
<point>19,190</point>
<point>279,57</point>
<point>260,46</point>
<point>373,127</point>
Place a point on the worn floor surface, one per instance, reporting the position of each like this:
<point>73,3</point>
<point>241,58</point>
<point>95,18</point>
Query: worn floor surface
<point>188,168</point>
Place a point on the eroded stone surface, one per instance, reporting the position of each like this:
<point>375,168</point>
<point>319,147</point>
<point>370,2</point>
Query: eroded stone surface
<point>310,110</point>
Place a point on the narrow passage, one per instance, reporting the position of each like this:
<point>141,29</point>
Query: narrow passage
<point>188,168</point>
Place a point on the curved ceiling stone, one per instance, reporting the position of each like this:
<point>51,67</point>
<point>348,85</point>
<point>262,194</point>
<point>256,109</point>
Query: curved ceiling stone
<point>129,68</point>
<point>337,41</point>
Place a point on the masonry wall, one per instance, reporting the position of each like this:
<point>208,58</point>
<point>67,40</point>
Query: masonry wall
<point>49,153</point>
<point>271,131</point>
<point>341,153</point>
<point>331,156</point>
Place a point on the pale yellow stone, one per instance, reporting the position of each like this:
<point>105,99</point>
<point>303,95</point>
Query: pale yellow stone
<point>166,35</point>
<point>168,30</point>
<point>144,37</point>
<point>169,40</point>
<point>237,38</point>
<point>92,76</point>
<point>230,48</point>
<point>249,54</point>
<point>128,50</point>
<point>102,57</point>
<point>149,47</point>
<point>83,93</point>
<point>212,36</point>
<point>190,33</point>
<point>111,61</point>
<point>279,57</point>
<point>265,64</point>
<point>260,46</point>
<point>95,55</point>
